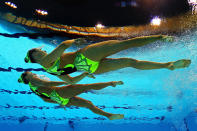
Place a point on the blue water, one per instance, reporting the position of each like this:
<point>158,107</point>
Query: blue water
<point>152,100</point>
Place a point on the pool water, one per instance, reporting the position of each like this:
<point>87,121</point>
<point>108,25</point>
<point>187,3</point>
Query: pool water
<point>150,99</point>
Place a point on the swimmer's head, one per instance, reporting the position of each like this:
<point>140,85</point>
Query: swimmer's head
<point>23,79</point>
<point>34,55</point>
<point>28,57</point>
<point>26,77</point>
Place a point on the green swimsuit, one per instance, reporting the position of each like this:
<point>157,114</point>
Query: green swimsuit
<point>81,63</point>
<point>53,96</point>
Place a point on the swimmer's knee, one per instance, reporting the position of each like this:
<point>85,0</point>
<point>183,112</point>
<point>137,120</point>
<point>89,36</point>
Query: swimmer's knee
<point>133,62</point>
<point>136,64</point>
<point>89,104</point>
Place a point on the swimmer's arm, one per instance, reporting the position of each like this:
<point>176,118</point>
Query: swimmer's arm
<point>44,83</point>
<point>73,80</point>
<point>55,83</point>
<point>144,40</point>
<point>57,52</point>
<point>48,100</point>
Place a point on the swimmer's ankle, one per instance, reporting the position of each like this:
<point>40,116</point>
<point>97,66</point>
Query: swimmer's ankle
<point>116,116</point>
<point>168,65</point>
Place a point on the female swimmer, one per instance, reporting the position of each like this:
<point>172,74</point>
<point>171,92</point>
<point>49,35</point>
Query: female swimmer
<point>67,95</point>
<point>93,58</point>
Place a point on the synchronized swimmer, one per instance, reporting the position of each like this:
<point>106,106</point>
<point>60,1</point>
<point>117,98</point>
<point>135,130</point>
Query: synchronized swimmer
<point>67,95</point>
<point>92,59</point>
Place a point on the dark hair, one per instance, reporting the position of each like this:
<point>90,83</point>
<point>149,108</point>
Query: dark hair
<point>23,77</point>
<point>30,52</point>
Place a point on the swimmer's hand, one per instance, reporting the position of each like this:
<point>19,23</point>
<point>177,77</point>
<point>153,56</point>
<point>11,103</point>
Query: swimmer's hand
<point>54,42</point>
<point>166,38</point>
<point>115,83</point>
<point>89,75</point>
<point>63,107</point>
<point>80,41</point>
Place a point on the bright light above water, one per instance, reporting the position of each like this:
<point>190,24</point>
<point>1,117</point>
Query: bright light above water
<point>156,21</point>
<point>11,4</point>
<point>41,12</point>
<point>192,1</point>
<point>100,26</point>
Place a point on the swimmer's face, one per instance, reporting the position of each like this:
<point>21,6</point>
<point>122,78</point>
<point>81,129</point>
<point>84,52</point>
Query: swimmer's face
<point>30,75</point>
<point>38,54</point>
<point>25,77</point>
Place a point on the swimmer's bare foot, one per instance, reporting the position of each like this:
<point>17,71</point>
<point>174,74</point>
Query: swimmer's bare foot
<point>179,64</point>
<point>167,38</point>
<point>114,83</point>
<point>116,116</point>
<point>54,42</point>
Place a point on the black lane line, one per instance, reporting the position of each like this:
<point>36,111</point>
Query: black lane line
<point>33,107</point>
<point>23,118</point>
<point>29,35</point>
<point>19,69</point>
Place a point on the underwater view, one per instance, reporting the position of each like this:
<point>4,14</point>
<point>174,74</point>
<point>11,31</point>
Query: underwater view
<point>85,73</point>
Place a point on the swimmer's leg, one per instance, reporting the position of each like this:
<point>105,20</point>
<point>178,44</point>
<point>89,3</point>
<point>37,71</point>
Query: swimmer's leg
<point>110,64</point>
<point>179,64</point>
<point>99,86</point>
<point>103,49</point>
<point>80,102</point>
<point>74,90</point>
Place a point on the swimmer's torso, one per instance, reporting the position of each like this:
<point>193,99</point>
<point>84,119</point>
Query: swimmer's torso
<point>67,58</point>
